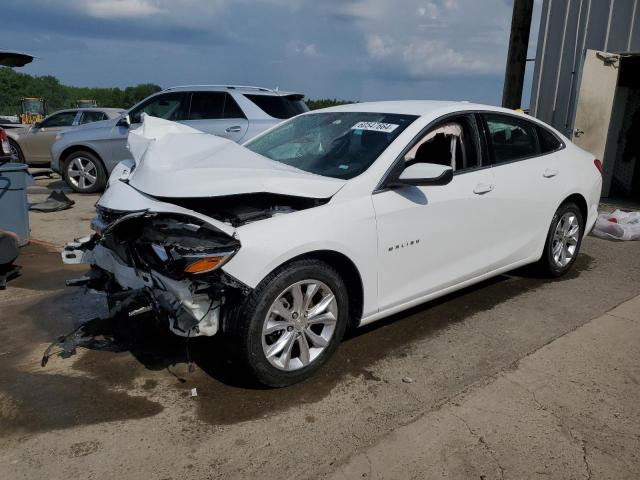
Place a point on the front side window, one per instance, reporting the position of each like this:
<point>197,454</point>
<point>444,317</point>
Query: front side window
<point>511,138</point>
<point>62,119</point>
<point>453,142</point>
<point>90,117</point>
<point>339,144</point>
<point>169,106</point>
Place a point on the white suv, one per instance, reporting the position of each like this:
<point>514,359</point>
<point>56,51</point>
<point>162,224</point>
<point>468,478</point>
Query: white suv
<point>86,156</point>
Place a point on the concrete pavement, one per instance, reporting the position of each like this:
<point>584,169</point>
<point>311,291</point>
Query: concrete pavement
<point>569,410</point>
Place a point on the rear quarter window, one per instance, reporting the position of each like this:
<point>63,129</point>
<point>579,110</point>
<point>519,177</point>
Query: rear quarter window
<point>548,141</point>
<point>279,107</point>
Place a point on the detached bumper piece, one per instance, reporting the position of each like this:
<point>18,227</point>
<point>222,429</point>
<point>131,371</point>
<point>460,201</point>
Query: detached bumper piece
<point>97,333</point>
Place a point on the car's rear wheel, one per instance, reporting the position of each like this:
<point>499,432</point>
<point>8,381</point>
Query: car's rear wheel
<point>16,151</point>
<point>291,323</point>
<point>563,240</point>
<point>84,172</point>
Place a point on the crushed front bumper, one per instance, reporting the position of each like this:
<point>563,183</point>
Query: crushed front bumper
<point>192,308</point>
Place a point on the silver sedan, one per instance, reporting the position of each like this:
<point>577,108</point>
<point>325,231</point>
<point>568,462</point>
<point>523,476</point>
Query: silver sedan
<point>32,144</point>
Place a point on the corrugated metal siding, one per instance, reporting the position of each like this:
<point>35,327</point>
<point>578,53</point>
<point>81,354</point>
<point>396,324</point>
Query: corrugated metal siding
<point>567,29</point>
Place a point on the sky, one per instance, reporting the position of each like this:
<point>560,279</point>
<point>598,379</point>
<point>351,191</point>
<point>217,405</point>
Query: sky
<point>348,49</point>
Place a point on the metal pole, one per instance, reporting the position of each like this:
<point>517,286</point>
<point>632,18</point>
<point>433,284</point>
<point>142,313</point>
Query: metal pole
<point>517,56</point>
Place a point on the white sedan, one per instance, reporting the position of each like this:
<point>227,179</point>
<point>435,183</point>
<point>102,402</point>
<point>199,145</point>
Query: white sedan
<point>334,218</point>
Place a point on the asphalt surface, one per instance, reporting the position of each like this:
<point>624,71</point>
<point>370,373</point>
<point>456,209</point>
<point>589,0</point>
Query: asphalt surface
<point>125,409</point>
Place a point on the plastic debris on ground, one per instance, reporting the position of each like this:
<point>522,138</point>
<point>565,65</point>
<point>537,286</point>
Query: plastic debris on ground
<point>55,202</point>
<point>619,225</point>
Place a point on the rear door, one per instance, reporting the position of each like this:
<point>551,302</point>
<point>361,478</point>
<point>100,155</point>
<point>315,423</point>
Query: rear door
<point>528,182</point>
<point>216,113</point>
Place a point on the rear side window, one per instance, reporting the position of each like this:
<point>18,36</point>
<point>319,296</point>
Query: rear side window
<point>90,117</point>
<point>231,108</point>
<point>279,107</point>
<point>548,141</point>
<point>213,105</point>
<point>206,105</point>
<point>511,138</point>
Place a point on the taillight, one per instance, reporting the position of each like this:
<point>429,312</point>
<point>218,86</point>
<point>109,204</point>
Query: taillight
<point>598,165</point>
<point>4,143</point>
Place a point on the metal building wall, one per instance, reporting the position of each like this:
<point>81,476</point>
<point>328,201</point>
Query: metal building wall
<point>567,29</point>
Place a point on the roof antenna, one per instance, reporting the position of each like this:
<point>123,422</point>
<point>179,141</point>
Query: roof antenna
<point>277,89</point>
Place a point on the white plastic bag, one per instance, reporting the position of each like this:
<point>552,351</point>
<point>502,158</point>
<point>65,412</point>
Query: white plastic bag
<point>618,225</point>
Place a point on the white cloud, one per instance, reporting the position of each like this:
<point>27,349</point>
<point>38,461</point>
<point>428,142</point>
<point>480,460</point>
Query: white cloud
<point>120,8</point>
<point>425,57</point>
<point>300,48</point>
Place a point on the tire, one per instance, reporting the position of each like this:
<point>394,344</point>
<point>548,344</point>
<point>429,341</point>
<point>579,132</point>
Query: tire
<point>16,150</point>
<point>84,172</point>
<point>290,330</point>
<point>557,257</point>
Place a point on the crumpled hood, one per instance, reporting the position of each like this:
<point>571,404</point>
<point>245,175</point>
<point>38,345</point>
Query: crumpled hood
<point>174,160</point>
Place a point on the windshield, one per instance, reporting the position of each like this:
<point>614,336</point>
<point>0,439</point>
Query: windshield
<point>339,145</point>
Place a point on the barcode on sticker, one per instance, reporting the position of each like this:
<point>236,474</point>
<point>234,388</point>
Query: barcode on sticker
<point>375,126</point>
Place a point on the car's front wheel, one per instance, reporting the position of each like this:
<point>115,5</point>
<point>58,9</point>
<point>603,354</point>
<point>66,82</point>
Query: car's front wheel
<point>84,172</point>
<point>291,323</point>
<point>563,240</point>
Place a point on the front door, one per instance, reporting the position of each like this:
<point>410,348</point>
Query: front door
<point>36,144</point>
<point>434,237</point>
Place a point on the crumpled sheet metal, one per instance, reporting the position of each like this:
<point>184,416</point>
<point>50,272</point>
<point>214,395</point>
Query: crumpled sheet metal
<point>174,160</point>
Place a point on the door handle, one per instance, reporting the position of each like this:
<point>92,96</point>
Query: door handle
<point>234,129</point>
<point>482,188</point>
<point>550,172</point>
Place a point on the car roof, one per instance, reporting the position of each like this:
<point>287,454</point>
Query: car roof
<point>415,107</point>
<point>107,110</point>
<point>231,88</point>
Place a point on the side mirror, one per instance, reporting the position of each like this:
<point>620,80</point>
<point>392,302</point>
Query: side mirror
<point>124,121</point>
<point>37,125</point>
<point>423,174</point>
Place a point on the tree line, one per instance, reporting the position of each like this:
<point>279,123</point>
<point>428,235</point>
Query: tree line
<point>14,86</point>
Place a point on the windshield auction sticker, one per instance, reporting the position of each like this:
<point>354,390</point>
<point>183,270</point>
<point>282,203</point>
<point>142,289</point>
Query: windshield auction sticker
<point>375,126</point>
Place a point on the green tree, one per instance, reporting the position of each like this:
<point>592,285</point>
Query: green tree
<point>14,86</point>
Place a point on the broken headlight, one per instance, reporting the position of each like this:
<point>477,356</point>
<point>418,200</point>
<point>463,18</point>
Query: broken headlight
<point>193,262</point>
<point>181,245</point>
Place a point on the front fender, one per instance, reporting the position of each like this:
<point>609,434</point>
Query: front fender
<point>268,244</point>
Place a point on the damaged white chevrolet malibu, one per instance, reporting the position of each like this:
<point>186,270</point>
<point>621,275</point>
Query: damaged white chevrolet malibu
<point>334,218</point>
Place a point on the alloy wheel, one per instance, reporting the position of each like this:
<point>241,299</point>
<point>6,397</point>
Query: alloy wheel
<point>15,153</point>
<point>299,325</point>
<point>82,173</point>
<point>565,239</point>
